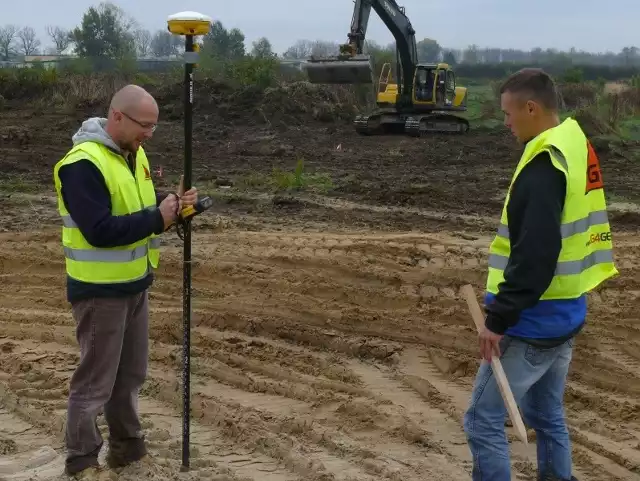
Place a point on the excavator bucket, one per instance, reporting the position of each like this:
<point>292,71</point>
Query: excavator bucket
<point>336,70</point>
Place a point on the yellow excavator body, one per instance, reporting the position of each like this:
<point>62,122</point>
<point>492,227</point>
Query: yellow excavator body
<point>424,98</point>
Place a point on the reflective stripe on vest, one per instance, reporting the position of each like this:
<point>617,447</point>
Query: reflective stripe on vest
<point>579,226</point>
<point>563,268</point>
<point>96,255</point>
<point>103,255</point>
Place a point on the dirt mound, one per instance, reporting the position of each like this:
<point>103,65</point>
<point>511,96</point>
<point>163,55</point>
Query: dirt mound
<point>287,103</point>
<point>603,117</point>
<point>576,96</point>
<point>231,102</point>
<point>592,124</point>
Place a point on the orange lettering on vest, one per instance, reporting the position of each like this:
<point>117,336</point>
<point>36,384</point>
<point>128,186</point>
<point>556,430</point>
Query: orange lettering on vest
<point>594,176</point>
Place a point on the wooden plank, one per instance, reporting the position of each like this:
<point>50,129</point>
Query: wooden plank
<point>496,365</point>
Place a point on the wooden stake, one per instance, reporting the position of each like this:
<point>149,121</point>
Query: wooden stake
<point>496,365</point>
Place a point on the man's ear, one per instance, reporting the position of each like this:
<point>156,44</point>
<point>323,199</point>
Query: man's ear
<point>531,107</point>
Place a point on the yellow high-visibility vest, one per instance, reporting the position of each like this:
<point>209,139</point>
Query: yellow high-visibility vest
<point>586,257</point>
<point>129,194</point>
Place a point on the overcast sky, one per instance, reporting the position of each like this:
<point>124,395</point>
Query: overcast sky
<point>558,24</point>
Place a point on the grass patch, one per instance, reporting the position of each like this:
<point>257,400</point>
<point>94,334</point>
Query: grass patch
<point>630,128</point>
<point>18,184</point>
<point>281,180</point>
<point>299,179</point>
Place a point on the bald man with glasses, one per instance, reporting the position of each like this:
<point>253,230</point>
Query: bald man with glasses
<point>111,218</point>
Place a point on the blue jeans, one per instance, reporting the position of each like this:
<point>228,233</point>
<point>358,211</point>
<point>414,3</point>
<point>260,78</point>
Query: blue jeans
<point>537,378</point>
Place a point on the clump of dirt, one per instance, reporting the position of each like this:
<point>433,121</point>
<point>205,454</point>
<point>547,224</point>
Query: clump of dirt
<point>7,446</point>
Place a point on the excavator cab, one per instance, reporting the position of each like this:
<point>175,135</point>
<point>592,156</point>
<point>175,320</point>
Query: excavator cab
<point>434,84</point>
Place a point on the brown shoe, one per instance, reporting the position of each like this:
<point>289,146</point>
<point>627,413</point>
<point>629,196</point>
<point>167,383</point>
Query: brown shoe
<point>119,456</point>
<point>94,473</point>
<point>116,462</point>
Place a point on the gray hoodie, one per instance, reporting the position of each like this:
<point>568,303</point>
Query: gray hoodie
<point>92,130</point>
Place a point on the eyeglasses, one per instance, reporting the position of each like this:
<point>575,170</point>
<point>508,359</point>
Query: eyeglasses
<point>151,127</point>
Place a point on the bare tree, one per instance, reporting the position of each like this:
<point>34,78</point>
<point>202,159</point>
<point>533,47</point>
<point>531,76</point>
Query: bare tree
<point>164,44</point>
<point>61,38</point>
<point>299,50</point>
<point>323,48</point>
<point>142,39</point>
<point>304,48</point>
<point>29,43</point>
<point>7,41</point>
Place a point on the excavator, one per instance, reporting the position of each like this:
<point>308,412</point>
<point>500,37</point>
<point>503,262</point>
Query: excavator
<point>425,97</point>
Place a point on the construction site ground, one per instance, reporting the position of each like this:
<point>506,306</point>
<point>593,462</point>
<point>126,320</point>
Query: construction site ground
<point>329,339</point>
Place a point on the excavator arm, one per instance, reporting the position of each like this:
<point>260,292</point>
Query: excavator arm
<point>359,24</point>
<point>352,65</point>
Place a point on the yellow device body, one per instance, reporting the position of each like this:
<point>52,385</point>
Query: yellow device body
<point>189,27</point>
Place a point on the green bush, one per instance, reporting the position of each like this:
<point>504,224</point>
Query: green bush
<point>24,83</point>
<point>260,72</point>
<point>81,79</point>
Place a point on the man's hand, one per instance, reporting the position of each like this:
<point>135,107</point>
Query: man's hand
<point>189,197</point>
<point>489,344</point>
<point>169,209</point>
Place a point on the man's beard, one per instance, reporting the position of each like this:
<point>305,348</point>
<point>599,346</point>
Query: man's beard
<point>132,147</point>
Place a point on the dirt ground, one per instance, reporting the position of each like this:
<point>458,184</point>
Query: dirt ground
<point>329,339</point>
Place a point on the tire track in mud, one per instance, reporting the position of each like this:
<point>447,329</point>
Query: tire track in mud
<point>626,357</point>
<point>26,453</point>
<point>209,456</point>
<point>244,401</point>
<point>280,430</point>
<point>309,358</point>
<point>427,376</point>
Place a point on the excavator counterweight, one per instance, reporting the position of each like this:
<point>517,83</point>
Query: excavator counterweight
<point>340,70</point>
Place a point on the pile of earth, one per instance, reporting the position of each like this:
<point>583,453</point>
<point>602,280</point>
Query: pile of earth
<point>294,103</point>
<point>282,104</point>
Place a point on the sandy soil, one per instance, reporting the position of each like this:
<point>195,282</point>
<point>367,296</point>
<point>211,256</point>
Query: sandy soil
<point>329,338</point>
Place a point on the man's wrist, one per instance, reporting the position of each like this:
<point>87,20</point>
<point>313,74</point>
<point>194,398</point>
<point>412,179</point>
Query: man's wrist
<point>495,324</point>
<point>158,222</point>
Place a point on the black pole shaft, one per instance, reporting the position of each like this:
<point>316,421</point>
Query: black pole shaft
<point>186,297</point>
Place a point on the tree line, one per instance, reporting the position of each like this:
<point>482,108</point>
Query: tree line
<point>106,31</point>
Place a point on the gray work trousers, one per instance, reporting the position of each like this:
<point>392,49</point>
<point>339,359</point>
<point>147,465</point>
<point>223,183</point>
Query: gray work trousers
<point>113,338</point>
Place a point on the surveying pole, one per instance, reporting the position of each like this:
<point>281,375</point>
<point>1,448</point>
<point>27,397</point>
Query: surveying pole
<point>189,24</point>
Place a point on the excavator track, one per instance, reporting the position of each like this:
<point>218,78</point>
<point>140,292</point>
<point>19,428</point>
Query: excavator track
<point>442,123</point>
<point>361,123</point>
<point>385,123</point>
<point>379,123</point>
